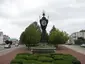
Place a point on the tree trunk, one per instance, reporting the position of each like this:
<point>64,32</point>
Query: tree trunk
<point>56,45</point>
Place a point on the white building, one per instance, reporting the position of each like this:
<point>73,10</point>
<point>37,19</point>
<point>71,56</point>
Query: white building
<point>5,37</point>
<point>1,37</point>
<point>76,35</point>
<point>14,40</point>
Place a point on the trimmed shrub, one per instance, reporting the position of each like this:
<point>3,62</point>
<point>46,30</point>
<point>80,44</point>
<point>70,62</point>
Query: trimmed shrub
<point>47,63</point>
<point>68,57</point>
<point>17,61</point>
<point>14,63</point>
<point>23,54</point>
<point>58,57</point>
<point>76,62</point>
<point>45,55</point>
<point>25,57</point>
<point>32,62</point>
<point>63,57</point>
<point>45,59</point>
<point>62,62</point>
<point>32,57</point>
<point>53,54</point>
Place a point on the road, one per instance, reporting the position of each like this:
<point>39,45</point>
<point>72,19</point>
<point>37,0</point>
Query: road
<point>2,47</point>
<point>76,48</point>
<point>4,51</point>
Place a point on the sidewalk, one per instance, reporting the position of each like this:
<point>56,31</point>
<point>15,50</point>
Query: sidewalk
<point>65,50</point>
<point>5,51</point>
<point>7,57</point>
<point>76,48</point>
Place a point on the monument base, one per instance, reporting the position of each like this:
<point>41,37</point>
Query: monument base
<point>44,36</point>
<point>43,48</point>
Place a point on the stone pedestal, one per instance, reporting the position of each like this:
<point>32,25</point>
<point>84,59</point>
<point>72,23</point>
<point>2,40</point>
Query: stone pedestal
<point>43,48</point>
<point>44,37</point>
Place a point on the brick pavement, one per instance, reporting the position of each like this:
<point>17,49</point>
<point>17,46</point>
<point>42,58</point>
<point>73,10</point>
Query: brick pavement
<point>5,59</point>
<point>66,50</point>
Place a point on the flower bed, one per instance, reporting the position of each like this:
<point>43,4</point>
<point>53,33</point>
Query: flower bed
<point>25,58</point>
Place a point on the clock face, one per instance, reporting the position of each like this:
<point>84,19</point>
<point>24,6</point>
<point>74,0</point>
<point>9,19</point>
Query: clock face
<point>43,23</point>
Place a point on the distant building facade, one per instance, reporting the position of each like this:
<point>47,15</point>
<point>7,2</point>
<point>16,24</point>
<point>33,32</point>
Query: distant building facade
<point>14,40</point>
<point>76,35</point>
<point>5,37</point>
<point>1,37</point>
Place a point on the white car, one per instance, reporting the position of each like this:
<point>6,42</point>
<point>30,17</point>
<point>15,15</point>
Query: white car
<point>83,45</point>
<point>16,45</point>
<point>7,46</point>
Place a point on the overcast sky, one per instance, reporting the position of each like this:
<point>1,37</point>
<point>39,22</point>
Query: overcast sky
<point>66,15</point>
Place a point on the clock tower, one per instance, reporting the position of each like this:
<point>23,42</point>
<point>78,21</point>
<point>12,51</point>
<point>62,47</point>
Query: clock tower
<point>43,23</point>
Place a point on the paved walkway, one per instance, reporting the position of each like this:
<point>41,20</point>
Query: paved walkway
<point>5,51</point>
<point>65,50</point>
<point>76,48</point>
<point>1,47</point>
<point>6,58</point>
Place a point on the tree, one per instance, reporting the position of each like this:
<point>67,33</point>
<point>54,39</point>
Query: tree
<point>53,29</point>
<point>65,36</point>
<point>31,36</point>
<point>57,37</point>
<point>8,42</point>
<point>22,38</point>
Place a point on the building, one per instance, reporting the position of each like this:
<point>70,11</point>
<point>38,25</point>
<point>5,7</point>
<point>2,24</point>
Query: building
<point>5,37</point>
<point>76,35</point>
<point>1,37</point>
<point>14,40</point>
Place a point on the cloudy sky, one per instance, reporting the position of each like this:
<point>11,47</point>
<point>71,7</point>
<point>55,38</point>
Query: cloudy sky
<point>66,15</point>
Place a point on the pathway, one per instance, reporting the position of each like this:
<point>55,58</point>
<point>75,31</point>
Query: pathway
<point>65,50</point>
<point>76,48</point>
<point>6,58</point>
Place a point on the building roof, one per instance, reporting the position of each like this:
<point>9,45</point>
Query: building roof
<point>13,39</point>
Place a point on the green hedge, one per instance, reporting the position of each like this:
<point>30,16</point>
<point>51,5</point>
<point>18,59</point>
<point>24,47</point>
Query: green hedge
<point>17,61</point>
<point>46,63</point>
<point>62,62</point>
<point>23,54</point>
<point>32,62</point>
<point>45,55</point>
<point>25,58</point>
<point>45,59</point>
<point>63,57</point>
<point>32,57</point>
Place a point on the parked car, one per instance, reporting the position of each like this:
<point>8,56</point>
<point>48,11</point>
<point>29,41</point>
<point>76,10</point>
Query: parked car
<point>68,43</point>
<point>16,45</point>
<point>83,45</point>
<point>7,46</point>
